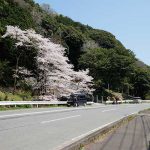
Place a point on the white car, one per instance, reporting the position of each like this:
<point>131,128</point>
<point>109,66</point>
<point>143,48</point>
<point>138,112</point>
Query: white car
<point>137,100</point>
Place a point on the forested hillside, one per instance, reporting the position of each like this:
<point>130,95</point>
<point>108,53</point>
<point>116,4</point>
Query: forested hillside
<point>110,63</point>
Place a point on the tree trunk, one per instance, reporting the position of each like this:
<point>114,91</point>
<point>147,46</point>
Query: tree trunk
<point>16,73</point>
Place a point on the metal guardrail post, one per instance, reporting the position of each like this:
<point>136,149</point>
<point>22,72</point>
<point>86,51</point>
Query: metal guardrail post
<point>102,99</point>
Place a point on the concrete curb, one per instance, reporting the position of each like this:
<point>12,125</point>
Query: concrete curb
<point>79,142</point>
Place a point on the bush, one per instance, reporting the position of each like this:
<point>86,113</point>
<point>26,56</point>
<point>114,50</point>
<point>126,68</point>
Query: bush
<point>147,97</point>
<point>2,96</point>
<point>25,95</point>
<point>11,97</point>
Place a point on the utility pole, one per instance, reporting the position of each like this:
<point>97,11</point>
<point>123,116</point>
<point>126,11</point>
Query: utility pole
<point>128,90</point>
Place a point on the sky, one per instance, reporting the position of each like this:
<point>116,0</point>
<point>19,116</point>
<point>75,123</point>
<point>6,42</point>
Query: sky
<point>128,20</point>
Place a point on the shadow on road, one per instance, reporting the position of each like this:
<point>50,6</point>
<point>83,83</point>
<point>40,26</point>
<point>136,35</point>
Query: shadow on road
<point>133,136</point>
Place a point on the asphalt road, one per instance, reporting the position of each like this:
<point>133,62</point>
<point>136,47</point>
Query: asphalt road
<point>52,128</point>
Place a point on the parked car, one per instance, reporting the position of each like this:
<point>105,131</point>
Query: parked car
<point>137,100</point>
<point>78,99</point>
<point>64,98</point>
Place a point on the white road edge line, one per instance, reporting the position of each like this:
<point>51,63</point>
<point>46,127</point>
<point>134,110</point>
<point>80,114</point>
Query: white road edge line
<point>109,110</point>
<point>43,122</point>
<point>90,132</point>
<point>51,111</point>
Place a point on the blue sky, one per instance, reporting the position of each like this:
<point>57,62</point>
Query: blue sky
<point>128,20</point>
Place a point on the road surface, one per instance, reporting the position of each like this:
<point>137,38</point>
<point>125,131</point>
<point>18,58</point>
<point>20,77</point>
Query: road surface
<point>52,128</point>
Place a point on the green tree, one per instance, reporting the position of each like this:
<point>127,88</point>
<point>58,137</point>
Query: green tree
<point>141,81</point>
<point>107,65</point>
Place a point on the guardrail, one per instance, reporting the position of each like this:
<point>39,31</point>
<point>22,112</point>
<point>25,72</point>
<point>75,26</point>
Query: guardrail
<point>37,103</point>
<point>146,101</point>
<point>127,101</point>
<point>120,102</point>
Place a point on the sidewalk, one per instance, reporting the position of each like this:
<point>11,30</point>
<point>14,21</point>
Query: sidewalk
<point>132,136</point>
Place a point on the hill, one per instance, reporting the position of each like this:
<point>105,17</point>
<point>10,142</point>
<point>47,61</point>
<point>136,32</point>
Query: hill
<point>110,63</point>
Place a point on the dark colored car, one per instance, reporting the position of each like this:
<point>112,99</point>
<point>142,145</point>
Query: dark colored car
<point>64,98</point>
<point>77,99</point>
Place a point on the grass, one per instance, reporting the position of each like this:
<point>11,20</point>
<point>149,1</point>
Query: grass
<point>147,97</point>
<point>2,95</point>
<point>18,96</point>
<point>5,108</point>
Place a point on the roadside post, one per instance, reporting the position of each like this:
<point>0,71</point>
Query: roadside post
<point>97,98</point>
<point>102,99</point>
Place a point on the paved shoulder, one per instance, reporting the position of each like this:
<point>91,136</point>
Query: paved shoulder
<point>133,136</point>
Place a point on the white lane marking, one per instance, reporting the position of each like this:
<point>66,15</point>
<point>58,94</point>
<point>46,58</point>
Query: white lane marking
<point>131,106</point>
<point>23,114</point>
<point>84,135</point>
<point>51,111</point>
<point>105,125</point>
<point>90,132</point>
<point>94,130</point>
<point>109,110</point>
<point>43,122</point>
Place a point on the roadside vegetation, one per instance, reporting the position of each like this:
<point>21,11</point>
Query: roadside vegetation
<point>17,107</point>
<point>5,108</point>
<point>18,96</point>
<point>112,66</point>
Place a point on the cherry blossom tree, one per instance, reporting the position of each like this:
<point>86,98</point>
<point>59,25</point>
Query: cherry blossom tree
<point>55,72</point>
<point>18,35</point>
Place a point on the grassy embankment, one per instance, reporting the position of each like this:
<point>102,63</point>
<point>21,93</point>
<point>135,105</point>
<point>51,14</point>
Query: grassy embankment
<point>20,96</point>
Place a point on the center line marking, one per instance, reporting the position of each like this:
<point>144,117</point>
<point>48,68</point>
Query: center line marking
<point>43,122</point>
<point>109,110</point>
